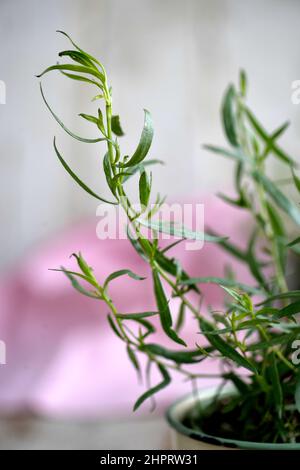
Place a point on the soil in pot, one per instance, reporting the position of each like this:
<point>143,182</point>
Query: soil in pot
<point>228,418</point>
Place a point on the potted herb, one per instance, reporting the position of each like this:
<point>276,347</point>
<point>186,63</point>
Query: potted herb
<point>255,336</point>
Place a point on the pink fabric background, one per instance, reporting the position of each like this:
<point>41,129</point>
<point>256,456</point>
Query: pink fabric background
<point>62,358</point>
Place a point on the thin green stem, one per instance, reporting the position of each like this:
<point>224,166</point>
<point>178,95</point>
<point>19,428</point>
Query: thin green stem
<point>270,235</point>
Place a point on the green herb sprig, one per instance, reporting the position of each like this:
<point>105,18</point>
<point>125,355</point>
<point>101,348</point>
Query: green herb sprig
<point>252,341</point>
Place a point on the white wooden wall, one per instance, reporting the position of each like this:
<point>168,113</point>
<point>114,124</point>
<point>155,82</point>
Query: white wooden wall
<point>174,57</point>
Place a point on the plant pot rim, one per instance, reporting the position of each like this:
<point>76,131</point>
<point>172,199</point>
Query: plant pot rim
<point>198,435</point>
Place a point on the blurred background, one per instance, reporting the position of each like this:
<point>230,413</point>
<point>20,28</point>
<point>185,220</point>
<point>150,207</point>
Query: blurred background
<point>175,58</point>
<point>172,57</point>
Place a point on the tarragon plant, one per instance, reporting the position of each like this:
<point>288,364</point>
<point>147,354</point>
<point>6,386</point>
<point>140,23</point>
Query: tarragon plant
<point>254,336</point>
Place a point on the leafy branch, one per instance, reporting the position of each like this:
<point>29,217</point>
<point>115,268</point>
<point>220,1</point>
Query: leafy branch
<point>251,341</point>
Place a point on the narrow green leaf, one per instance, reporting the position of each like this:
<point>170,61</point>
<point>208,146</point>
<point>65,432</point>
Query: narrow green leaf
<point>116,126</point>
<point>152,391</point>
<point>81,78</point>
<point>177,231</point>
<point>267,311</point>
<point>180,318</point>
<point>297,394</point>
<point>243,83</point>
<point>224,348</point>
<point>228,114</point>
<point>95,120</point>
<point>77,286</point>
<point>97,97</point>
<point>278,339</point>
<point>246,325</point>
<point>75,177</point>
<point>254,264</point>
<point>169,265</point>
<point>243,200</point>
<point>281,129</point>
<point>230,247</point>
<point>234,202</point>
<point>287,327</point>
<point>79,57</point>
<point>239,384</point>
<point>220,318</point>
<point>285,295</point>
<point>81,50</point>
<point>120,273</point>
<point>90,280</point>
<point>171,245</point>
<point>180,357</point>
<point>81,139</point>
<point>276,385</point>
<point>140,319</point>
<point>113,327</point>
<point>108,175</point>
<point>73,68</point>
<point>133,358</point>
<point>119,177</point>
<point>72,42</point>
<point>144,144</point>
<point>294,242</point>
<point>85,268</point>
<point>100,122</point>
<point>136,316</point>
<point>89,118</point>
<point>136,168</point>
<point>289,310</point>
<point>296,180</point>
<point>233,293</point>
<point>138,248</point>
<point>144,189</point>
<point>164,311</point>
<point>269,141</point>
<point>238,175</point>
<point>278,197</point>
<point>159,201</point>
<point>223,282</point>
<point>276,221</point>
<point>235,154</point>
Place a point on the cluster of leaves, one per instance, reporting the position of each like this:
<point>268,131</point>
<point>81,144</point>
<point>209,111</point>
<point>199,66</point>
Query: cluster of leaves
<point>252,341</point>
